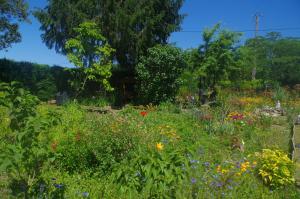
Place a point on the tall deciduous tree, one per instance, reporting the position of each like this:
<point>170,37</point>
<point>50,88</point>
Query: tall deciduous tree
<point>91,53</point>
<point>131,26</point>
<point>11,12</point>
<point>216,57</point>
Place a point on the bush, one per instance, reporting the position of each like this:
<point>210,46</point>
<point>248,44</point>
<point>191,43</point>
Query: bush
<point>21,104</point>
<point>275,168</point>
<point>154,172</point>
<point>158,74</point>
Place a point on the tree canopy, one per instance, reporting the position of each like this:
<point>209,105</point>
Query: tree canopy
<point>11,12</point>
<point>131,26</point>
<point>216,56</point>
<point>91,53</point>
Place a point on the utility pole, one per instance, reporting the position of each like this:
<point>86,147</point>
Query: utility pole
<point>257,15</point>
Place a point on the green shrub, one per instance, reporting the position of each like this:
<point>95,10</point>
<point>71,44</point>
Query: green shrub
<point>23,155</point>
<point>21,103</point>
<point>279,93</point>
<point>275,168</point>
<point>112,147</point>
<point>154,173</point>
<point>158,74</point>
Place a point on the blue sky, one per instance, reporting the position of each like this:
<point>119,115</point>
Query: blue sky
<point>233,14</point>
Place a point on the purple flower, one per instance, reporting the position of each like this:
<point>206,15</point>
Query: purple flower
<point>85,194</point>
<point>193,180</point>
<point>216,184</point>
<point>206,164</point>
<point>194,167</point>
<point>229,187</point>
<point>215,176</point>
<point>58,186</point>
<point>194,161</point>
<point>164,140</point>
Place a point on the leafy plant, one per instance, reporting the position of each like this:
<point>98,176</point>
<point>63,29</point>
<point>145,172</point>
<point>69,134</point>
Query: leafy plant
<point>157,173</point>
<point>275,168</point>
<point>21,104</point>
<point>279,93</point>
<point>217,58</point>
<point>158,74</point>
<point>92,54</point>
<point>24,155</point>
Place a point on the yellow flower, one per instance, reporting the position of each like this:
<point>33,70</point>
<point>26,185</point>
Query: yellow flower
<point>219,168</point>
<point>224,171</point>
<point>243,169</point>
<point>244,166</point>
<point>159,146</point>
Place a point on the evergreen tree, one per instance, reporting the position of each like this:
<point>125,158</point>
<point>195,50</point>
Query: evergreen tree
<point>131,26</point>
<point>11,11</point>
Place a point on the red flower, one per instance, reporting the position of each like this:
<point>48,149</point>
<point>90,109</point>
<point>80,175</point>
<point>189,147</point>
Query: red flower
<point>237,116</point>
<point>143,113</point>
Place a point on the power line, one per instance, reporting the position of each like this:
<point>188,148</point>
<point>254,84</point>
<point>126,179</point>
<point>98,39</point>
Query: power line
<point>246,30</point>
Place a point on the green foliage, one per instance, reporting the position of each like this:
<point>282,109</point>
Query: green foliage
<point>24,155</point>
<point>90,52</point>
<point>156,173</point>
<point>142,152</point>
<point>11,12</point>
<point>158,74</point>
<point>216,57</point>
<point>279,93</point>
<point>112,148</point>
<point>24,159</point>
<point>275,168</point>
<point>20,102</point>
<point>286,69</point>
<point>41,80</point>
<point>132,26</point>
<point>276,58</point>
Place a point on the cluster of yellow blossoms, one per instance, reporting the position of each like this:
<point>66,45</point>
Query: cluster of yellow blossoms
<point>244,166</point>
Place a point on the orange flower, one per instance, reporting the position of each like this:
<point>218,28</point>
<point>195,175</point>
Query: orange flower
<point>143,113</point>
<point>54,145</point>
<point>244,166</point>
<point>159,146</point>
